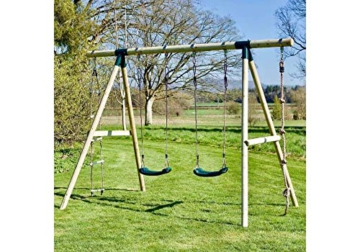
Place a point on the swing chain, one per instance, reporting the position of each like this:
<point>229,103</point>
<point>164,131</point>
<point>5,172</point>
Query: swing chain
<point>225,71</point>
<point>94,72</point>
<point>225,98</point>
<point>195,105</point>
<point>139,79</point>
<point>166,78</point>
<point>166,163</point>
<point>142,160</point>
<point>92,91</point>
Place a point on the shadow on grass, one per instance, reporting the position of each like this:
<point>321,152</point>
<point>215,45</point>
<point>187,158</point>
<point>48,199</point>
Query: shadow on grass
<point>106,189</point>
<point>158,207</point>
<point>134,206</point>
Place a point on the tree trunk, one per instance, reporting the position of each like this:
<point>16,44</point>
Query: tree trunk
<point>148,110</point>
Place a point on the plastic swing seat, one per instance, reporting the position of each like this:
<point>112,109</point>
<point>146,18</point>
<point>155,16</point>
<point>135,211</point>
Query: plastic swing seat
<point>146,171</point>
<point>203,173</point>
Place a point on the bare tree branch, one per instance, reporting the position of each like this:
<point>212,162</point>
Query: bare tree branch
<point>292,24</point>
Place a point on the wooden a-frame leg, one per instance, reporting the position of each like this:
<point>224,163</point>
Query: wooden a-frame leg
<point>132,123</point>
<point>95,123</point>
<point>271,126</point>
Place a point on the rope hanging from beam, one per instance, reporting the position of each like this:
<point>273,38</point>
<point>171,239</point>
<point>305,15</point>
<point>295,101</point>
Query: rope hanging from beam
<point>286,192</point>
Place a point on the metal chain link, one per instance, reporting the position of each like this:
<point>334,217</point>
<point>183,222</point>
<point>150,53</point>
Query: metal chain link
<point>98,91</point>
<point>91,165</point>
<point>141,123</point>
<point>166,113</point>
<point>93,79</point>
<point>195,101</point>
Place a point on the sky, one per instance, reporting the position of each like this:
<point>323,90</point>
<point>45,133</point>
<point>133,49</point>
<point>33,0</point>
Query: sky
<point>256,20</point>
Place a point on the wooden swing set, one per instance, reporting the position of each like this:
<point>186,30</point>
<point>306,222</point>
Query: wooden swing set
<point>247,63</point>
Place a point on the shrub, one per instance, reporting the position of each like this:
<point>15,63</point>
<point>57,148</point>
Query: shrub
<point>71,103</point>
<point>276,112</point>
<point>233,108</point>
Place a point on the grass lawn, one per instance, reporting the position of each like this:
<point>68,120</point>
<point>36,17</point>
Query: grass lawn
<point>180,211</point>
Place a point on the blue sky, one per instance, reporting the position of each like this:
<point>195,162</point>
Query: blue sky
<point>256,20</point>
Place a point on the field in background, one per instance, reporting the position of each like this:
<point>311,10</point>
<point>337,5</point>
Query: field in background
<point>209,114</point>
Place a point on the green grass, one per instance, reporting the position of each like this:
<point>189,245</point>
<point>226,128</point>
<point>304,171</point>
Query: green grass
<point>179,211</point>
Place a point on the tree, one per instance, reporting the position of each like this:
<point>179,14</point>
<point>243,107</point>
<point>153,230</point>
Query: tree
<point>166,22</point>
<point>298,96</point>
<point>80,26</point>
<point>71,72</point>
<point>292,18</point>
<point>252,113</point>
<point>276,112</point>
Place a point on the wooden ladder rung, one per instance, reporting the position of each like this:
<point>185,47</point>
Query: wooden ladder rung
<point>112,133</point>
<point>93,191</point>
<point>261,140</point>
<point>97,190</point>
<point>97,162</point>
<point>96,139</point>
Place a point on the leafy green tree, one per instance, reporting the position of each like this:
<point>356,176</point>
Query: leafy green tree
<point>72,26</point>
<point>252,116</point>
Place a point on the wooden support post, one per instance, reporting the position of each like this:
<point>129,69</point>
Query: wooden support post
<point>132,122</point>
<point>271,126</point>
<point>89,137</point>
<point>244,129</point>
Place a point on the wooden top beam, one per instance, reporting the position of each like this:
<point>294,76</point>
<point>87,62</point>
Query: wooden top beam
<point>195,47</point>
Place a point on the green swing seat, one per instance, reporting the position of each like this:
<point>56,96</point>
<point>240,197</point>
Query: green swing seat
<point>146,171</point>
<point>203,173</point>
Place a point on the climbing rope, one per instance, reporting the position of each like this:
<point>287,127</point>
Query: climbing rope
<point>286,192</point>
